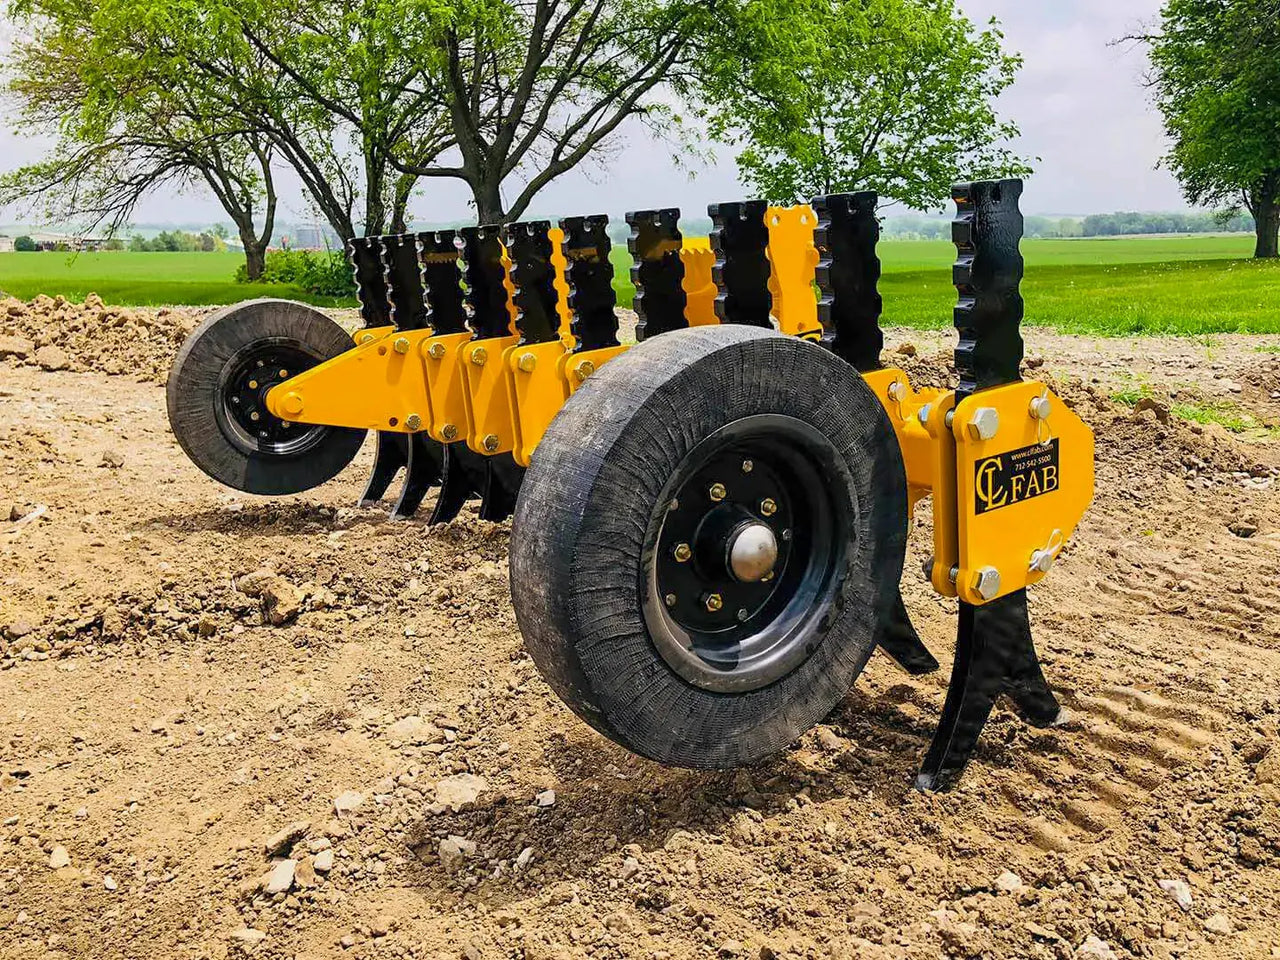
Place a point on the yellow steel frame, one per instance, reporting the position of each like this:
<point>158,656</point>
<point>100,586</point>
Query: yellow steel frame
<point>1007,502</point>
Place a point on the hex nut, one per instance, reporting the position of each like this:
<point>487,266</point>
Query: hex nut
<point>682,552</point>
<point>527,362</point>
<point>768,506</point>
<point>479,356</point>
<point>413,422</point>
<point>985,423</point>
<point>435,351</point>
<point>988,584</point>
<point>449,432</point>
<point>714,602</point>
<point>401,345</point>
<point>717,492</point>
<point>490,442</point>
<point>583,370</point>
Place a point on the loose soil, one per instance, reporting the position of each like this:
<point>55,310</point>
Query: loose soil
<point>293,728</point>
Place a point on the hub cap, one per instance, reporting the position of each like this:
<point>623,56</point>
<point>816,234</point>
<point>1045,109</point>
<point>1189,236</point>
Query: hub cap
<point>242,411</point>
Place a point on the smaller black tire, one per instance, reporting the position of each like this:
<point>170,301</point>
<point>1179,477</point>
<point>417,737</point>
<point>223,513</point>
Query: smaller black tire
<point>607,498</point>
<point>217,390</point>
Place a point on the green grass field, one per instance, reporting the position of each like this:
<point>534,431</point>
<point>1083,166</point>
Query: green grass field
<point>1174,285</point>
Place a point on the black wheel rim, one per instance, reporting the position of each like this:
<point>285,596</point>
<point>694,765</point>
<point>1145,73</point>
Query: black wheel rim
<point>763,473</point>
<point>241,404</point>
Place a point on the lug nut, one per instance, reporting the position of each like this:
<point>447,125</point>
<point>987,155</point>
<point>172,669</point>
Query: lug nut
<point>449,432</point>
<point>490,442</point>
<point>717,492</point>
<point>401,345</point>
<point>743,614</point>
<point>435,351</point>
<point>669,599</point>
<point>714,602</point>
<point>253,384</point>
<point>583,370</point>
<point>527,362</point>
<point>1041,407</point>
<point>413,421</point>
<point>479,356</point>
<point>988,585</point>
<point>682,552</point>
<point>768,507</point>
<point>254,416</point>
<point>747,466</point>
<point>284,374</point>
<point>985,423</point>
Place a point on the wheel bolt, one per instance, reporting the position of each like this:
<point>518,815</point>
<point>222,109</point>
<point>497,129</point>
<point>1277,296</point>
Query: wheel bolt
<point>284,374</point>
<point>786,534</point>
<point>669,599</point>
<point>253,384</point>
<point>718,492</point>
<point>768,507</point>
<point>747,466</point>
<point>743,614</point>
<point>255,416</point>
<point>714,602</point>
<point>682,552</point>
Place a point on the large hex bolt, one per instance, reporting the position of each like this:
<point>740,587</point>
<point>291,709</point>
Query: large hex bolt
<point>527,362</point>
<point>413,422</point>
<point>436,351</point>
<point>449,432</point>
<point>479,356</point>
<point>985,423</point>
<point>401,345</point>
<point>988,585</point>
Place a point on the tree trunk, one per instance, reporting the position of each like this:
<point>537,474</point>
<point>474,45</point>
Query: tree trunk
<point>488,200</point>
<point>1267,219</point>
<point>255,260</point>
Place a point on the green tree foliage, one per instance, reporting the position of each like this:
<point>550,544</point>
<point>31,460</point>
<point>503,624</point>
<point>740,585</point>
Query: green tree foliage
<point>176,241</point>
<point>25,244</point>
<point>1216,80</point>
<point>124,129</point>
<point>320,272</point>
<point>832,95</point>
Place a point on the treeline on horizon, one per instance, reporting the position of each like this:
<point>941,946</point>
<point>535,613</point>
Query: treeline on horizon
<point>919,227</point>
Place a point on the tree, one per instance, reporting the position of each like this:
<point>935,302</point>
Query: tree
<point>114,150</point>
<point>1216,79</point>
<point>25,244</point>
<point>830,95</point>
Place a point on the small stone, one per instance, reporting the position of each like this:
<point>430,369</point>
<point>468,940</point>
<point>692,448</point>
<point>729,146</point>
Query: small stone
<point>59,858</point>
<point>249,936</point>
<point>524,858</point>
<point>305,874</point>
<point>278,844</point>
<point>112,623</point>
<point>52,358</point>
<point>630,867</point>
<point>381,927</point>
<point>109,882</point>
<point>1155,406</point>
<point>828,739</point>
<point>18,629</point>
<point>454,852</point>
<point>906,350</point>
<point>547,798</point>
<point>460,791</point>
<point>730,948</point>
<point>1244,529</point>
<point>1097,949</point>
<point>348,802</point>
<point>281,601</point>
<point>323,861</point>
<point>1009,882</point>
<point>1218,923</point>
<point>1268,770</point>
<point>905,872</point>
<point>1179,890</point>
<point>414,730</point>
<point>280,880</point>
<point>111,459</point>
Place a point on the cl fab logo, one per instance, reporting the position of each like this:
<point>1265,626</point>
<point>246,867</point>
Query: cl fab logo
<point>1009,478</point>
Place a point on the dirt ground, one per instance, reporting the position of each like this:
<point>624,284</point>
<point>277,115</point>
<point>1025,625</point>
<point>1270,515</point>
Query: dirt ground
<point>291,728</point>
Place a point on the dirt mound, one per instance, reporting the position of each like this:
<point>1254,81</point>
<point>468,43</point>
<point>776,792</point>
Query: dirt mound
<point>57,334</point>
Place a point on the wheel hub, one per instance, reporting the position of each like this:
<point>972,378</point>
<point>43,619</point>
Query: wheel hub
<point>246,381</point>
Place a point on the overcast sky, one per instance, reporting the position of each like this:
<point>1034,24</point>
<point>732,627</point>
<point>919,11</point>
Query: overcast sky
<point>1079,102</point>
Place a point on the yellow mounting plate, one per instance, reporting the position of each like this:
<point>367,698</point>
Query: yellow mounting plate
<point>1020,493</point>
<point>369,334</point>
<point>946,548</point>
<point>699,289</point>
<point>379,385</point>
<point>903,404</point>
<point>490,408</point>
<point>575,368</point>
<point>447,386</point>
<point>540,391</point>
<point>793,260</point>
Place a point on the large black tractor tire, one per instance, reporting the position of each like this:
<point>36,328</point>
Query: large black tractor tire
<point>641,570</point>
<point>217,398</point>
